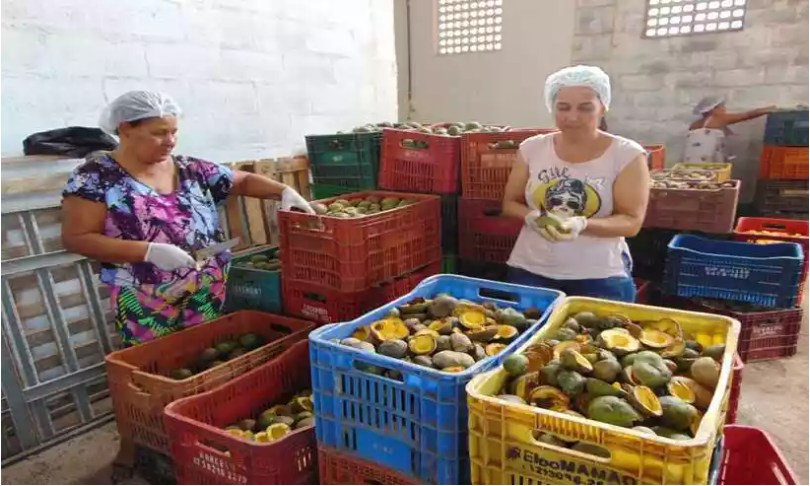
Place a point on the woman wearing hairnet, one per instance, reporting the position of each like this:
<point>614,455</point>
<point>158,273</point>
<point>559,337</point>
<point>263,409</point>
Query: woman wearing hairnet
<point>705,141</point>
<point>580,191</point>
<point>142,211</point>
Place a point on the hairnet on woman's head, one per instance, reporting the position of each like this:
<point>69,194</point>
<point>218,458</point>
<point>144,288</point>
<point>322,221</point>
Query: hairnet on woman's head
<point>707,104</point>
<point>136,105</point>
<point>588,76</point>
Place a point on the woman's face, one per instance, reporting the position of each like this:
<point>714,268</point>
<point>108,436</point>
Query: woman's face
<point>152,140</point>
<point>578,109</point>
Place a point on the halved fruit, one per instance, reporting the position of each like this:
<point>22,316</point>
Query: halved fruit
<point>441,327</point>
<point>522,386</point>
<point>279,410</point>
<point>301,404</point>
<point>675,350</point>
<point>362,333</point>
<point>494,348</point>
<point>422,344</point>
<point>391,328</point>
<point>679,387</point>
<point>472,319</point>
<point>558,349</point>
<point>485,334</point>
<point>506,333</point>
<point>429,332</point>
<point>572,360</point>
<point>277,431</point>
<point>548,396</point>
<point>644,400</point>
<point>261,437</point>
<point>667,325</point>
<point>619,342</point>
<point>654,338</point>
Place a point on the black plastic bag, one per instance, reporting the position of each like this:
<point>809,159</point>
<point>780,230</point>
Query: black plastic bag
<point>70,142</point>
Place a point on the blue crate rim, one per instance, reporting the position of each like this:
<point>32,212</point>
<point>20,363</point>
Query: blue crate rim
<point>679,239</point>
<point>371,316</point>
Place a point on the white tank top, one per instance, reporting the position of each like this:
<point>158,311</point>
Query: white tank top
<point>566,189</point>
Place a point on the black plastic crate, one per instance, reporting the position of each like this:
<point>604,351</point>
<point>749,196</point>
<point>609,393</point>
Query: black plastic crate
<point>774,196</point>
<point>649,251</point>
<point>486,270</point>
<point>450,224</point>
<point>787,128</point>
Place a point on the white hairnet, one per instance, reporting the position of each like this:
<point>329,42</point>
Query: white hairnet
<point>589,76</point>
<point>136,105</point>
<point>707,104</point>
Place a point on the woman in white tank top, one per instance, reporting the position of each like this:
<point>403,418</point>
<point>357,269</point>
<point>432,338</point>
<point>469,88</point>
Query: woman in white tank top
<point>591,188</point>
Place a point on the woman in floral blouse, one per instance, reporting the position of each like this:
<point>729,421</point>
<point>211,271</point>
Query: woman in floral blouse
<point>142,212</point>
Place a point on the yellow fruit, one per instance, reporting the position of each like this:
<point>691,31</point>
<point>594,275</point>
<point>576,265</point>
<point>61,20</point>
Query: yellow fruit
<point>654,338</point>
<point>277,431</point>
<point>619,341</point>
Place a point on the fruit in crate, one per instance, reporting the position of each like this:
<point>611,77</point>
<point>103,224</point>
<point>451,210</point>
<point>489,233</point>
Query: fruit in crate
<point>444,333</point>
<point>662,181</point>
<point>356,208</point>
<point>269,260</point>
<point>277,421</point>
<point>650,376</point>
<point>218,354</point>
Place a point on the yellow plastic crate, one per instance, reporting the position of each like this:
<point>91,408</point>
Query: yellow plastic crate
<point>723,170</point>
<point>502,445</point>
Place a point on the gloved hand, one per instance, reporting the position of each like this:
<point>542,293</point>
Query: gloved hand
<point>531,220</point>
<point>569,229</point>
<point>291,199</point>
<point>168,257</point>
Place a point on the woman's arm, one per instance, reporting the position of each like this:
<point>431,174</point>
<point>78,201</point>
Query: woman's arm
<point>631,192</point>
<point>732,118</point>
<point>514,198</point>
<point>82,233</point>
<point>255,185</point>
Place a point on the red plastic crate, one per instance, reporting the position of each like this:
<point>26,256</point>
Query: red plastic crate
<point>642,291</point>
<point>784,163</point>
<point>203,453</point>
<point>797,228</point>
<point>485,235</point>
<point>433,169</point>
<point>656,157</point>
<point>351,255</point>
<point>736,388</point>
<point>750,457</point>
<point>325,305</point>
<point>341,468</point>
<point>140,388</point>
<point>487,159</point>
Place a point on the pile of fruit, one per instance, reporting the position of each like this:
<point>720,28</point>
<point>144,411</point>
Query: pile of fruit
<point>270,260</point>
<point>776,234</point>
<point>355,208</point>
<point>693,179</point>
<point>219,353</point>
<point>453,129</point>
<point>444,333</point>
<point>648,376</point>
<point>277,421</point>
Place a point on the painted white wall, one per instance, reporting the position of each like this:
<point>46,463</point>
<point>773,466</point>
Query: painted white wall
<point>252,76</point>
<point>504,86</point>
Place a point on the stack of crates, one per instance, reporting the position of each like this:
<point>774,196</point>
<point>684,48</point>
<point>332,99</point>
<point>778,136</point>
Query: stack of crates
<point>425,163</point>
<point>783,171</point>
<point>486,237</point>
<point>336,269</point>
<point>343,162</point>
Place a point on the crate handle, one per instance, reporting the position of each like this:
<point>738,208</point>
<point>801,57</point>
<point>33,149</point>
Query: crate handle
<point>493,212</point>
<point>504,145</point>
<point>533,434</point>
<point>214,448</point>
<point>778,226</point>
<point>361,366</point>
<point>409,143</point>
<point>501,295</point>
<point>281,329</point>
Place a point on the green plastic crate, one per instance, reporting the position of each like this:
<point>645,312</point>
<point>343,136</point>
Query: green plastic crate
<point>251,288</point>
<point>325,191</point>
<point>350,160</point>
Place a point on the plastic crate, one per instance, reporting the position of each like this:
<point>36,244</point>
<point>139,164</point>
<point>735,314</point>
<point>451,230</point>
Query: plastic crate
<point>251,288</point>
<point>642,290</point>
<point>486,161</point>
<point>325,305</point>
<point>203,453</point>
<point>721,169</point>
<point>787,128</point>
<point>784,163</point>
<point>351,255</point>
<point>483,233</point>
<point>503,450</point>
<point>751,457</point>
<point>325,191</point>
<point>736,388</point>
<point>766,275</point>
<point>416,425</point>
<point>339,468</point>
<point>497,272</point>
<point>450,224</point>
<point>430,169</point>
<point>348,160</point>
<point>797,231</point>
<point>656,157</point>
<point>781,196</point>
<point>140,389</point>
<point>449,264</point>
<point>707,210</point>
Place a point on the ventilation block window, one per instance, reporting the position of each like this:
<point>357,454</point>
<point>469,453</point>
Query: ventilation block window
<point>466,26</point>
<point>669,18</point>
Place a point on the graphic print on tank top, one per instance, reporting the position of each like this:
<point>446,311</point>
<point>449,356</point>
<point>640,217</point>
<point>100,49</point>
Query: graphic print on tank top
<point>557,193</point>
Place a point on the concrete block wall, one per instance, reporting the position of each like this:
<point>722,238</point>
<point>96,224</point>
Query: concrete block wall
<point>657,82</point>
<point>252,76</point>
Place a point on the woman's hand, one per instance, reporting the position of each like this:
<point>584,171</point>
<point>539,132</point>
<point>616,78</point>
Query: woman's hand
<point>568,230</point>
<point>168,257</point>
<point>291,199</point>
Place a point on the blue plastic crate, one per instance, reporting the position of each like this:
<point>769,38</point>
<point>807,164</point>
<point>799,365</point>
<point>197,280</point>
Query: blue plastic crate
<point>416,425</point>
<point>767,275</point>
<point>787,128</point>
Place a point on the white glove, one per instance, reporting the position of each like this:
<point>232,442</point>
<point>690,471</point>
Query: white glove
<point>531,220</point>
<point>569,228</point>
<point>291,199</point>
<point>168,257</point>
